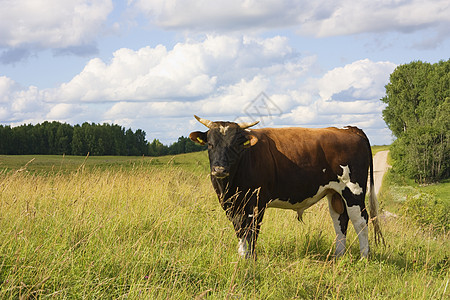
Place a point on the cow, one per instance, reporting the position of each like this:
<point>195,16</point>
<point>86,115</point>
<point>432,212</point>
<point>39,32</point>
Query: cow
<point>290,168</point>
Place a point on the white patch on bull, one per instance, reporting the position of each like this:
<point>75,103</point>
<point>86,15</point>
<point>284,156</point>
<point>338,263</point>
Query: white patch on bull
<point>338,186</point>
<point>345,178</point>
<point>354,212</point>
<point>341,239</point>
<point>360,225</point>
<point>223,129</point>
<point>243,248</point>
<point>324,170</point>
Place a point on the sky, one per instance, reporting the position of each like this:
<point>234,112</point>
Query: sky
<point>153,64</point>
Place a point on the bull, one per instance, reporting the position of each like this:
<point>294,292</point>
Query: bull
<point>290,168</point>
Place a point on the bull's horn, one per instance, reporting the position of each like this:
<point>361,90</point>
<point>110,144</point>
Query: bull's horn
<point>247,125</point>
<point>205,122</point>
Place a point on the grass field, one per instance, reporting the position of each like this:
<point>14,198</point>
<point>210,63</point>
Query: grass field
<point>143,228</point>
<point>376,149</point>
<point>51,164</point>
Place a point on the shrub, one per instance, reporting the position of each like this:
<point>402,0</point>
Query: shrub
<point>427,210</point>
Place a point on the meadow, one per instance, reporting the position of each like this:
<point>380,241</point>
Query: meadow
<point>152,228</point>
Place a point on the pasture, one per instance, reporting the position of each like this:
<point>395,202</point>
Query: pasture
<point>152,228</point>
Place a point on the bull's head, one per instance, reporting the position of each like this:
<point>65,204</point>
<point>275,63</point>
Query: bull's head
<point>226,142</point>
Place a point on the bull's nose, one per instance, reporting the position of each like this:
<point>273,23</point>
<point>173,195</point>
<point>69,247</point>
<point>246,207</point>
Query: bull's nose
<point>219,172</point>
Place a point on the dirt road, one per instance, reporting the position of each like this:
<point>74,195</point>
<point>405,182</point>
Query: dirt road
<point>380,167</point>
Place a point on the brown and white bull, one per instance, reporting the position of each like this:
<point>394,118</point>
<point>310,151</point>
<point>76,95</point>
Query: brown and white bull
<point>290,168</point>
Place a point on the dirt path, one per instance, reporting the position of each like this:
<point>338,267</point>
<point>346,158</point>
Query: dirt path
<point>380,166</point>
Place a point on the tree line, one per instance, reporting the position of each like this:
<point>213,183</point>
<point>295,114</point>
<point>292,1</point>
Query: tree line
<point>96,139</point>
<point>418,114</point>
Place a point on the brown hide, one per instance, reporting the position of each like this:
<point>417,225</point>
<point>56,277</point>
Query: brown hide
<point>306,158</point>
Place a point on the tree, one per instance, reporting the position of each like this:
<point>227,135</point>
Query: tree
<point>79,145</point>
<point>156,148</point>
<point>5,139</point>
<point>105,139</point>
<point>64,136</point>
<point>417,112</point>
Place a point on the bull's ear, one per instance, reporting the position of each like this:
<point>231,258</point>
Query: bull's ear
<point>251,141</point>
<point>198,137</point>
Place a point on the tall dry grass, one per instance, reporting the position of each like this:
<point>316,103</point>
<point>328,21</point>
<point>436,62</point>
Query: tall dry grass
<point>160,233</point>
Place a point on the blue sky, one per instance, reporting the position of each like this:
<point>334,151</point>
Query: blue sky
<point>153,64</point>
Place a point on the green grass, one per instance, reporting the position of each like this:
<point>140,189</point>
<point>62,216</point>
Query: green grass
<point>428,205</point>
<point>376,149</point>
<point>424,206</point>
<point>61,163</point>
<point>440,190</point>
<point>124,228</point>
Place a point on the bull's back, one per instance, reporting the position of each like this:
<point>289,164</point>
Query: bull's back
<point>306,158</point>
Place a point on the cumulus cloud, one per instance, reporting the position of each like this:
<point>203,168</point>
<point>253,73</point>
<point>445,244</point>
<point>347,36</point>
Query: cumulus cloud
<point>218,77</point>
<point>320,18</point>
<point>63,111</point>
<point>350,17</point>
<point>314,102</point>
<point>220,15</point>
<point>6,87</point>
<point>191,70</point>
<point>215,75</point>
<point>347,95</point>
<point>19,104</point>
<point>355,81</point>
<point>41,24</point>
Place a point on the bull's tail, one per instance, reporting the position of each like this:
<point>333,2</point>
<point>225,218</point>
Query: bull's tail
<point>373,203</point>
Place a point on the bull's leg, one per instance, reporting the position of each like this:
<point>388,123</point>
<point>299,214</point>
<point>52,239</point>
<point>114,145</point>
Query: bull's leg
<point>247,232</point>
<point>340,219</point>
<point>359,220</point>
<point>357,212</point>
<point>245,247</point>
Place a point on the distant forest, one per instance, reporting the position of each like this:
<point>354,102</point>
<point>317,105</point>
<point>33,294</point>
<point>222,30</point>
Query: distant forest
<point>96,139</point>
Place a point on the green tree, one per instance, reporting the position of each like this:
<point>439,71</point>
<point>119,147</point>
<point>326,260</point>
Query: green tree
<point>418,114</point>
<point>185,145</point>
<point>96,139</point>
<point>79,145</point>
<point>64,136</point>
<point>156,148</point>
<point>6,137</point>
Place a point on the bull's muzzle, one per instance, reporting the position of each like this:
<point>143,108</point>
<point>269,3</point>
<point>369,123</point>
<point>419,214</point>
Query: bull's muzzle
<point>219,172</point>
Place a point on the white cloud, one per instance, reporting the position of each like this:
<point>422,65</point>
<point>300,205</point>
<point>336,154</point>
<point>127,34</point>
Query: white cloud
<point>51,23</point>
<point>18,103</point>
<point>191,70</point>
<point>146,74</point>
<point>351,17</point>
<point>317,18</point>
<point>348,95</point>
<point>6,86</point>
<point>345,108</point>
<point>218,78</point>
<point>359,80</point>
<point>63,111</point>
<point>219,15</point>
<point>311,104</point>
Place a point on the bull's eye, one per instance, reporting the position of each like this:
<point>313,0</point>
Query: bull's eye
<point>210,146</point>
